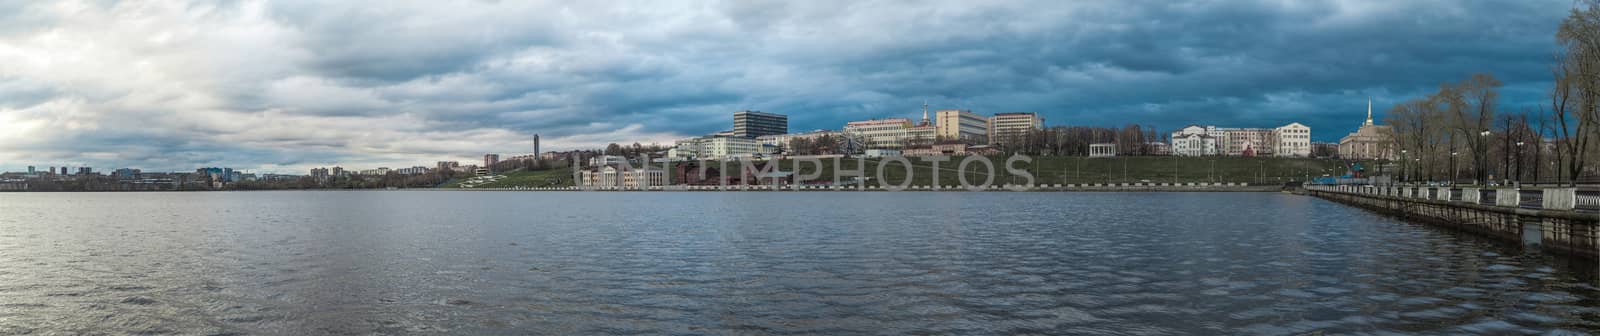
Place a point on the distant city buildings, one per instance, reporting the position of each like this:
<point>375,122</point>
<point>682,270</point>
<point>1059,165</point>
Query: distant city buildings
<point>1293,139</point>
<point>751,124</point>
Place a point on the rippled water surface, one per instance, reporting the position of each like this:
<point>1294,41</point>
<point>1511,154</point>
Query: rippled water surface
<point>387,262</point>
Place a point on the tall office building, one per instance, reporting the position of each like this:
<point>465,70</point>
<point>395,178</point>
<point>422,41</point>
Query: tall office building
<point>751,124</point>
<point>1013,127</point>
<point>490,159</point>
<point>963,126</point>
<point>535,146</point>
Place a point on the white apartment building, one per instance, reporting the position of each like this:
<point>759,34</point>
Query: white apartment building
<point>1294,139</point>
<point>1013,127</point>
<point>719,148</point>
<point>963,126</point>
<point>892,133</point>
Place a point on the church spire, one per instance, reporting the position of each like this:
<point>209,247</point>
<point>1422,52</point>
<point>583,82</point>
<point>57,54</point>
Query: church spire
<point>1369,112</point>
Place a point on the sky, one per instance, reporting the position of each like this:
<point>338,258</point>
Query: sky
<point>284,86</point>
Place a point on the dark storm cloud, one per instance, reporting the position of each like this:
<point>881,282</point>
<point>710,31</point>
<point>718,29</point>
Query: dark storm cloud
<point>290,83</point>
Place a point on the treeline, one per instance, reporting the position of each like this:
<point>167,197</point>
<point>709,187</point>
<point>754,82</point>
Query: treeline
<point>1461,133</point>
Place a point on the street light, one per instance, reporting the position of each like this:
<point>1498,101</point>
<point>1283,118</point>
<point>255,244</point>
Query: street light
<point>1405,171</point>
<point>1453,170</point>
<point>1518,177</point>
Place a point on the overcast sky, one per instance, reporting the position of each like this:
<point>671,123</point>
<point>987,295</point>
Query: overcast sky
<point>282,86</point>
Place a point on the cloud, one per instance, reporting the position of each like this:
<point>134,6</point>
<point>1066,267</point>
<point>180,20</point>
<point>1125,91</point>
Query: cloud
<point>288,85</point>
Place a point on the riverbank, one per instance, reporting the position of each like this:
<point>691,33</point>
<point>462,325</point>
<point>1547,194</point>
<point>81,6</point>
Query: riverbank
<point>1114,187</point>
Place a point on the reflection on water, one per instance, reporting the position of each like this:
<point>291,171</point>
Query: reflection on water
<point>759,263</point>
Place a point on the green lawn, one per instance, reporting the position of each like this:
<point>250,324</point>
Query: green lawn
<point>559,177</point>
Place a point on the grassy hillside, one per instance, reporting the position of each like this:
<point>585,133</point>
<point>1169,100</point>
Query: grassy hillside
<point>559,177</point>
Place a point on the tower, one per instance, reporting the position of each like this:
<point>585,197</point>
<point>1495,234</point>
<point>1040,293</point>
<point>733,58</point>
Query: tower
<point>536,146</point>
<point>1369,112</point>
<point>925,113</point>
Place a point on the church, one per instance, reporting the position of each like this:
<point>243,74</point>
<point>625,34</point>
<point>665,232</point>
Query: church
<point>1368,142</point>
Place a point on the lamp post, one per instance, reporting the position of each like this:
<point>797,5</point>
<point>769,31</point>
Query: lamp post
<point>1518,176</point>
<point>1453,170</point>
<point>1405,170</point>
<point>1478,157</point>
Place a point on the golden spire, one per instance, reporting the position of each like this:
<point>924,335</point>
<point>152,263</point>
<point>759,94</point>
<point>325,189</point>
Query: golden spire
<point>1369,112</point>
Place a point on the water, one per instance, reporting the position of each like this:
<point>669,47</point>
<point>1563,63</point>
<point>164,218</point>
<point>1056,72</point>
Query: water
<point>387,262</point>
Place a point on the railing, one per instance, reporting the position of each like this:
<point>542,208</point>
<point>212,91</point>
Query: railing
<point>1565,199</point>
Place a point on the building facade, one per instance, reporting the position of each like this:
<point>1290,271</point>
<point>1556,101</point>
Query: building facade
<point>1294,140</point>
<point>1249,141</point>
<point>1370,141</point>
<point>751,124</point>
<point>1013,127</point>
<point>1196,140</point>
<point>720,148</point>
<point>964,126</point>
<point>892,133</point>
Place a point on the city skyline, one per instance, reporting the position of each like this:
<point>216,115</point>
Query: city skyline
<point>280,87</point>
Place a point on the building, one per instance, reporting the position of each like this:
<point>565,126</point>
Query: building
<point>879,133</point>
<point>1294,140</point>
<point>605,160</point>
<point>878,153</point>
<point>320,173</point>
<point>621,176</point>
<point>1158,148</point>
<point>337,171</point>
<point>1249,141</point>
<point>415,170</point>
<point>785,141</point>
<point>535,145</point>
<point>1370,141</point>
<point>490,159</point>
<point>751,124</point>
<point>1102,150</point>
<point>1013,127</point>
<point>1196,140</point>
<point>964,126</point>
<point>1324,149</point>
<point>716,147</point>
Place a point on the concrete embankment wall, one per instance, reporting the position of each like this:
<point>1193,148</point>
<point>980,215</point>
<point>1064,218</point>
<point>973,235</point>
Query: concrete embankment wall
<point>1556,227</point>
<point>1106,187</point>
